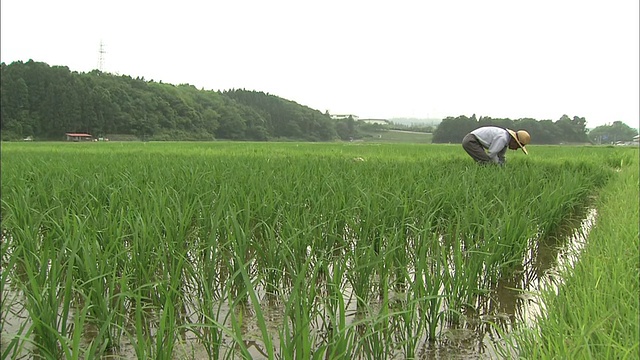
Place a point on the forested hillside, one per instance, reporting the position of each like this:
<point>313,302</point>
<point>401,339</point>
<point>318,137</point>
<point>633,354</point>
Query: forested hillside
<point>46,102</point>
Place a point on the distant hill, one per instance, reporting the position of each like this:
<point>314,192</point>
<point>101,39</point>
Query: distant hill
<point>45,102</point>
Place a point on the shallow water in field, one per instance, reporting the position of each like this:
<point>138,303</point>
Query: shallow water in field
<point>512,301</point>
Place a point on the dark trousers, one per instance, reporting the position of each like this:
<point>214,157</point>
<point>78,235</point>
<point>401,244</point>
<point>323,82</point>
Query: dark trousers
<point>473,147</point>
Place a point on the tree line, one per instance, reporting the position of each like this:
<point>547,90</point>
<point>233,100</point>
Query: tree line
<point>612,133</point>
<point>45,102</point>
<point>564,130</point>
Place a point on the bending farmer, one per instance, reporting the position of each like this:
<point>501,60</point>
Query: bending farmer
<point>488,144</point>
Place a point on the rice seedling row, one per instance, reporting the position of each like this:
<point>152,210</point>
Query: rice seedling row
<point>326,250</point>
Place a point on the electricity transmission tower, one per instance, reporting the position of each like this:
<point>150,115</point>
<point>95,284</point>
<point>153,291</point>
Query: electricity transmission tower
<point>101,53</point>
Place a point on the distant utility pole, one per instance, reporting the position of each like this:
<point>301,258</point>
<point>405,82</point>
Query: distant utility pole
<point>101,53</point>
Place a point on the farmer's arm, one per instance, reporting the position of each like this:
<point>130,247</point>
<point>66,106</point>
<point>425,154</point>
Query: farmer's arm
<point>501,157</point>
<point>497,149</point>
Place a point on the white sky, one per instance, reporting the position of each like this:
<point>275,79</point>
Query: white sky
<point>420,59</point>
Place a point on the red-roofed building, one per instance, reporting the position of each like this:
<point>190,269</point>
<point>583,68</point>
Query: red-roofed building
<point>78,137</point>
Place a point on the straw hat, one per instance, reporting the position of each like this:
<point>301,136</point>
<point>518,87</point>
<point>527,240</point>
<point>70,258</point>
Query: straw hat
<point>522,138</point>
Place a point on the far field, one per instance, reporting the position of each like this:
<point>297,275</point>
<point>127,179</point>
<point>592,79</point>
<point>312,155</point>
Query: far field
<point>398,136</point>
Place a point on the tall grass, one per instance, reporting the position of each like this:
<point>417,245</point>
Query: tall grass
<point>593,314</point>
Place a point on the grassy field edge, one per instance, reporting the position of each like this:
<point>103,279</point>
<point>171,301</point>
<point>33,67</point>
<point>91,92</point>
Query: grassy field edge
<point>595,313</point>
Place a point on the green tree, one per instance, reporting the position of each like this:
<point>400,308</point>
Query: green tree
<point>539,131</point>
<point>503,123</point>
<point>609,134</point>
<point>572,130</point>
<point>453,130</point>
<point>231,124</point>
<point>14,103</point>
<point>346,128</point>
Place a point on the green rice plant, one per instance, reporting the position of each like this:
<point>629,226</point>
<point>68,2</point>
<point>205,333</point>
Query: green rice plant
<point>154,241</point>
<point>165,336</point>
<point>47,288</point>
<point>9,300</point>
<point>140,335</point>
<point>143,254</point>
<point>208,289</point>
<point>240,255</point>
<point>374,337</point>
<point>406,326</point>
<point>266,339</point>
<point>296,338</point>
<point>104,287</point>
<point>600,286</point>
<point>237,322</point>
<point>268,240</point>
<point>560,201</point>
<point>427,286</point>
<point>361,264</point>
<point>454,279</point>
<point>39,271</point>
<point>339,335</point>
<point>93,289</point>
<point>270,261</point>
<point>399,251</point>
<point>22,230</point>
<point>208,329</point>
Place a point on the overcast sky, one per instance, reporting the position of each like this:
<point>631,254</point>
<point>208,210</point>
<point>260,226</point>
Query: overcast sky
<point>420,59</point>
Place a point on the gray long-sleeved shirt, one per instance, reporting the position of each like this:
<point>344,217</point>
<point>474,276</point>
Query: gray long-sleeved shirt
<point>495,139</point>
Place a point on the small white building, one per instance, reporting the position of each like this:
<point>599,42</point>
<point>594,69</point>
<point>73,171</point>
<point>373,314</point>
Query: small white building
<point>344,116</point>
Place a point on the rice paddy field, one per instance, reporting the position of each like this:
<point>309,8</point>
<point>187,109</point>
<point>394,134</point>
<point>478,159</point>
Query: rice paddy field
<point>228,250</point>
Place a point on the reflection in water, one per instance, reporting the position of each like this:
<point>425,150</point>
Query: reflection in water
<point>553,256</point>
